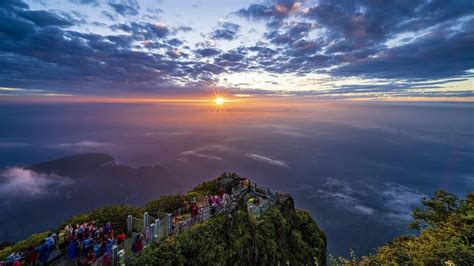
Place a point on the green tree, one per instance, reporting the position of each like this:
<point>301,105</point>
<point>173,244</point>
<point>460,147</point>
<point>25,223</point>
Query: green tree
<point>436,210</point>
<point>166,204</point>
<point>115,214</point>
<point>446,234</point>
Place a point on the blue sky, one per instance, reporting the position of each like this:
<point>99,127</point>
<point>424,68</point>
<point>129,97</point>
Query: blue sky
<point>323,49</point>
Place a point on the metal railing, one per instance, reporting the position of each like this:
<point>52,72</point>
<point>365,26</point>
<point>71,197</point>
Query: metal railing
<point>159,226</point>
<point>154,230</point>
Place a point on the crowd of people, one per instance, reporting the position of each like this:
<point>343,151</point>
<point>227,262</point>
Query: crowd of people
<point>198,209</point>
<point>85,244</point>
<point>82,243</point>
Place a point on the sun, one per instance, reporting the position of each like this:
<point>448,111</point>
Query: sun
<point>219,101</point>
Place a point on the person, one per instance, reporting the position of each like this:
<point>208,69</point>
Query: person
<point>62,244</point>
<point>50,241</point>
<point>194,210</point>
<point>120,237</point>
<point>137,244</point>
<point>80,232</point>
<point>221,193</point>
<point>67,232</point>
<point>97,250</point>
<point>108,245</point>
<point>89,259</point>
<point>74,232</point>
<point>87,244</point>
<point>43,250</point>
<point>224,198</point>
<point>213,205</point>
<point>17,261</point>
<point>209,200</point>
<point>108,229</point>
<point>106,259</point>
<point>72,249</point>
<point>31,256</point>
<point>13,259</point>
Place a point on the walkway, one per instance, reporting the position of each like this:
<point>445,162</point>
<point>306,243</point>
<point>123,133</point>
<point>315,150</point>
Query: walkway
<point>162,228</point>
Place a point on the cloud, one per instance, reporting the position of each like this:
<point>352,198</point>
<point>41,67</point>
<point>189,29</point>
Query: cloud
<point>440,55</point>
<point>144,31</point>
<point>124,10</point>
<point>267,160</point>
<point>400,43</point>
<point>38,52</point>
<point>204,150</point>
<point>291,133</point>
<point>164,133</point>
<point>85,2</point>
<point>405,41</point>
<point>363,210</point>
<point>14,144</point>
<point>399,202</point>
<point>226,31</point>
<point>340,193</point>
<point>201,155</point>
<point>19,182</point>
<point>206,52</point>
<point>469,179</point>
<point>82,145</point>
<point>274,11</point>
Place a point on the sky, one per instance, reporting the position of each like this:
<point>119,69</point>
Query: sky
<point>325,100</point>
<point>338,50</point>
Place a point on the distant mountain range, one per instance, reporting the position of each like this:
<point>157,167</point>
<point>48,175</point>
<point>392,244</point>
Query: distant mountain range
<point>94,179</point>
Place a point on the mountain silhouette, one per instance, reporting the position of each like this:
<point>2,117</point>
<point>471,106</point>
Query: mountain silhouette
<point>96,180</point>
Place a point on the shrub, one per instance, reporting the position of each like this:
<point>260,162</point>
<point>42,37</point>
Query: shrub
<point>33,240</point>
<point>165,204</point>
<point>115,214</point>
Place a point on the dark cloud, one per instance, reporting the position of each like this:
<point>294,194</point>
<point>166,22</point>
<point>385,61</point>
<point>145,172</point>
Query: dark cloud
<point>408,43</point>
<point>124,10</point>
<point>85,2</point>
<point>144,31</point>
<point>226,31</point>
<point>205,52</point>
<point>432,57</point>
<point>352,37</point>
<point>175,42</point>
<point>276,10</point>
<point>13,4</point>
<point>41,53</point>
<point>108,15</point>
<point>18,21</point>
<point>44,18</point>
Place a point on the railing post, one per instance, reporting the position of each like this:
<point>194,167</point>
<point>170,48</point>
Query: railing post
<point>153,232</point>
<point>145,221</point>
<point>129,224</point>
<point>157,229</point>
<point>170,224</point>
<point>114,255</point>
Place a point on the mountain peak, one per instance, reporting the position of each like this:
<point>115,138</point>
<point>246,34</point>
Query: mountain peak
<point>78,163</point>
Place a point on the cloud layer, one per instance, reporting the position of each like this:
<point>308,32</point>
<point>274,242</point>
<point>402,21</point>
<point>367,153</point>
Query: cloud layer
<point>82,145</point>
<point>24,183</point>
<point>393,203</point>
<point>267,160</point>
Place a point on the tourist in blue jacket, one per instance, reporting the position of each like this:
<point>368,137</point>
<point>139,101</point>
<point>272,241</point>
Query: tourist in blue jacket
<point>43,250</point>
<point>72,249</point>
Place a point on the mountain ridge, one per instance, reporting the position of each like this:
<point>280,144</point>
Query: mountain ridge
<point>96,180</point>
